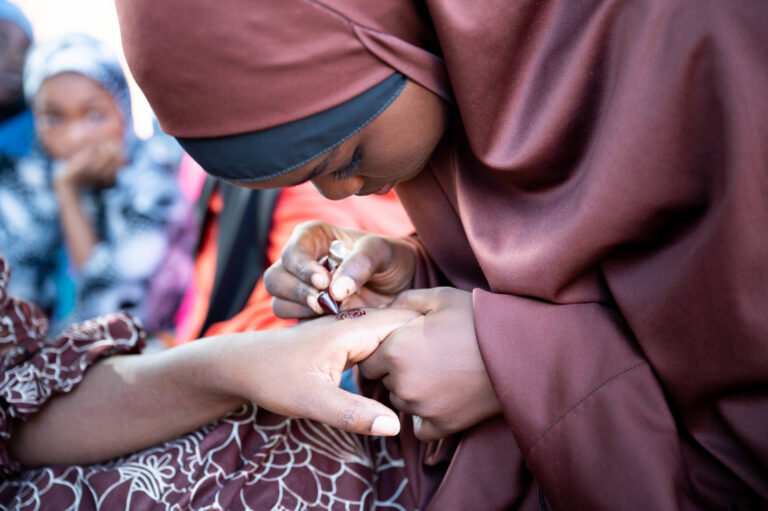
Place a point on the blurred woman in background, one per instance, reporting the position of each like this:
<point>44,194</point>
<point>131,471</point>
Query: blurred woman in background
<point>120,214</point>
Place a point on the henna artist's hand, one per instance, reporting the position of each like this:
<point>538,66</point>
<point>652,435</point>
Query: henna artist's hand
<point>432,366</point>
<point>296,372</point>
<point>376,269</point>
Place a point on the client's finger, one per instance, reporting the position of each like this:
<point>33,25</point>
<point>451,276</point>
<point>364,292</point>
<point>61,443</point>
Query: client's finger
<point>351,412</point>
<point>363,331</point>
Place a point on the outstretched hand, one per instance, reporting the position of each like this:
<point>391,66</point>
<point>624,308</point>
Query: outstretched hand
<point>296,372</point>
<point>375,271</point>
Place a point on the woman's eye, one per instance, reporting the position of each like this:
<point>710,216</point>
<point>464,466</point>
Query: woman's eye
<point>49,121</point>
<point>341,174</point>
<point>95,116</point>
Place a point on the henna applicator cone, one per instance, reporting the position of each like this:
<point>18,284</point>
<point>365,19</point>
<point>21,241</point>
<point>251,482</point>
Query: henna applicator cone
<point>336,254</point>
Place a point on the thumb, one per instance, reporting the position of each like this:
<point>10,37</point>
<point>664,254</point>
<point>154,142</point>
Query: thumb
<point>351,412</point>
<point>372,257</point>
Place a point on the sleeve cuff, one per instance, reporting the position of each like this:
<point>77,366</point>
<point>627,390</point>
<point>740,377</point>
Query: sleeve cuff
<point>58,367</point>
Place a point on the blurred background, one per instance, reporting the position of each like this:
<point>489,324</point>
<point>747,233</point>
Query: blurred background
<point>97,18</point>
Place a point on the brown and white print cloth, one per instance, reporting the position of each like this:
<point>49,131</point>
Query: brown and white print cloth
<point>251,459</point>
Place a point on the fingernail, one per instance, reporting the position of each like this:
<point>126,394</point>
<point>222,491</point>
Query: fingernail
<point>342,287</point>
<point>385,426</point>
<point>312,303</point>
<point>319,280</point>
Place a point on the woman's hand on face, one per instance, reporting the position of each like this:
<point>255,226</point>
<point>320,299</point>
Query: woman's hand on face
<point>296,372</point>
<point>376,270</point>
<point>95,164</point>
<point>432,366</point>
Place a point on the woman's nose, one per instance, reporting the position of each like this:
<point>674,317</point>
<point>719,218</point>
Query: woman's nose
<point>78,134</point>
<point>333,189</point>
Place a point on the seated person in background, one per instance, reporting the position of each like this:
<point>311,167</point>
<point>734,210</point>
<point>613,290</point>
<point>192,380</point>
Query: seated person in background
<point>95,399</point>
<point>16,129</point>
<point>22,245</point>
<point>123,220</point>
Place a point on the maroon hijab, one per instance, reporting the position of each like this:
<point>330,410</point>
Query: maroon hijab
<point>603,191</point>
<point>222,68</point>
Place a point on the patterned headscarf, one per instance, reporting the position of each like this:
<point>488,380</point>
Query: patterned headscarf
<point>85,55</point>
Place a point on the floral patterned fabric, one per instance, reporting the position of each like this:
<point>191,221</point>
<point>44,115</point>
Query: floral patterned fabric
<point>251,459</point>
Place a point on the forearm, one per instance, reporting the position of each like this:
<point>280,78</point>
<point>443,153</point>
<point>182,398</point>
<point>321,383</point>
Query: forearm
<point>78,231</point>
<point>127,403</point>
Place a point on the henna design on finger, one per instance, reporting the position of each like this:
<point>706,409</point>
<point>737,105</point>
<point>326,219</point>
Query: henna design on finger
<point>352,313</point>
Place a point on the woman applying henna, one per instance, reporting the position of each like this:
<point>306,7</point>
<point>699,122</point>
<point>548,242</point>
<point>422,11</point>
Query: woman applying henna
<point>592,211</point>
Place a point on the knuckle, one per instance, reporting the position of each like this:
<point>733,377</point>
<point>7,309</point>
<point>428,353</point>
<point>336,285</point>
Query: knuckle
<point>271,278</point>
<point>393,354</point>
<point>403,392</point>
<point>349,417</point>
<point>304,229</point>
<point>408,395</point>
<point>371,242</point>
<point>282,309</point>
<point>302,293</point>
<point>427,430</point>
<point>367,370</point>
<point>442,295</point>
<point>425,434</point>
<point>305,274</point>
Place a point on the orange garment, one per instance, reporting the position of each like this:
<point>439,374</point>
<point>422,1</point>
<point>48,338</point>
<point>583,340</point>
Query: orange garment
<point>198,295</point>
<point>381,214</point>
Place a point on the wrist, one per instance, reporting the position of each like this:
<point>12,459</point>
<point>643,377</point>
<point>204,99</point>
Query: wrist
<point>202,367</point>
<point>245,366</point>
<point>64,184</point>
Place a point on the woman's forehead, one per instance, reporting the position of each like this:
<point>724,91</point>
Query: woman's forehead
<point>302,145</point>
<point>71,87</point>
